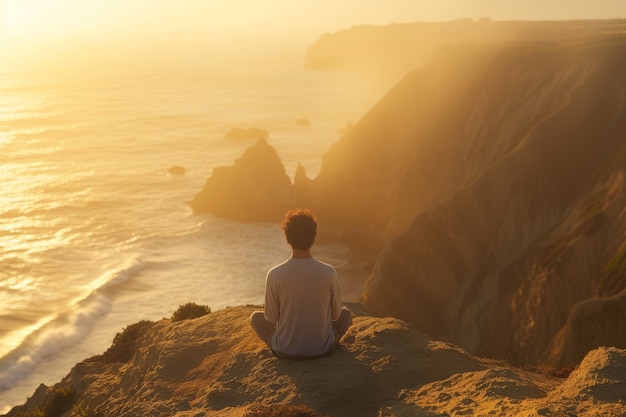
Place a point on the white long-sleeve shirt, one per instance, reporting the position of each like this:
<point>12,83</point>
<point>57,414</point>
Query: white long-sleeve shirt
<point>302,297</point>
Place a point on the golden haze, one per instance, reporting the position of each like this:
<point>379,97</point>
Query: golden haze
<point>60,31</point>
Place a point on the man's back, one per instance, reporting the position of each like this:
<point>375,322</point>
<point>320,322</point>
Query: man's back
<point>303,315</point>
<point>302,297</point>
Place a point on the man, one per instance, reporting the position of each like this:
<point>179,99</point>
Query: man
<point>304,317</point>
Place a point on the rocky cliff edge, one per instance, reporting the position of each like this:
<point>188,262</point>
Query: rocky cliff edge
<point>214,365</point>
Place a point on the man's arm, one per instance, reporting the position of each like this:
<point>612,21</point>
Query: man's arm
<point>272,303</point>
<point>335,297</point>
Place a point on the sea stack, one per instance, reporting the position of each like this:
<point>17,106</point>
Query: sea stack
<point>255,188</point>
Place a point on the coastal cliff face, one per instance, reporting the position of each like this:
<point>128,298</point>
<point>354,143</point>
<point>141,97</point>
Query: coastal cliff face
<point>495,179</point>
<point>215,365</point>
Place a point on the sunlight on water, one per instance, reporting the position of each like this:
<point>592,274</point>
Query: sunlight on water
<point>16,284</point>
<point>16,108</point>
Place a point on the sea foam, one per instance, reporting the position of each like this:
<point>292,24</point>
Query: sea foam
<point>67,327</point>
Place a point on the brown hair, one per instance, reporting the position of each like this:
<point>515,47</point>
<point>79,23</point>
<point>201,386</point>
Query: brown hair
<point>300,227</point>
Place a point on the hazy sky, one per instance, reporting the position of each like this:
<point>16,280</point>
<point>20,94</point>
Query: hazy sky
<point>46,18</point>
<point>40,27</point>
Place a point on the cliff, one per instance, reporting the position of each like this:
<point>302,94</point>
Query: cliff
<point>502,176</point>
<point>214,365</point>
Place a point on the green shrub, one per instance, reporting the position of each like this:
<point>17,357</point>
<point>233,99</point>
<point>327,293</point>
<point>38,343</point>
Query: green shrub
<point>190,311</point>
<point>57,402</point>
<point>60,402</point>
<point>125,343</point>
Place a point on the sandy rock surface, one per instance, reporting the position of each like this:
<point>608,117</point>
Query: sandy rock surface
<point>215,366</point>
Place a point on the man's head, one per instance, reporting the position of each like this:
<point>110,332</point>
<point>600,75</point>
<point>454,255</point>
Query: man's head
<point>300,227</point>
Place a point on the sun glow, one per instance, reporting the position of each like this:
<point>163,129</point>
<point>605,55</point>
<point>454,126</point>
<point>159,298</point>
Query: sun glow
<point>13,16</point>
<point>49,18</point>
<point>27,18</point>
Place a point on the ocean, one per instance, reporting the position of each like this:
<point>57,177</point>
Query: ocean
<point>95,234</point>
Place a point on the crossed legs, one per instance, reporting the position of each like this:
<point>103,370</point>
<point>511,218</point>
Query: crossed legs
<point>265,330</point>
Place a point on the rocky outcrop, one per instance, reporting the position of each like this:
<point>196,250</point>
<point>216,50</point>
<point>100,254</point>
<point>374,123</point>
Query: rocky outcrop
<point>176,170</point>
<point>255,188</point>
<point>215,365</point>
<point>302,186</point>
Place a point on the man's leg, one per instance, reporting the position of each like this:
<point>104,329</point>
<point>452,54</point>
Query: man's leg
<point>341,325</point>
<point>263,328</point>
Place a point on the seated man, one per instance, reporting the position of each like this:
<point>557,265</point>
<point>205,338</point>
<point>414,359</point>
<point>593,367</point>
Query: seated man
<point>304,317</point>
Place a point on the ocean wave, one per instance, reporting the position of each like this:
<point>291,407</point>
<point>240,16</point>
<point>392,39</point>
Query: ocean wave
<point>67,328</point>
